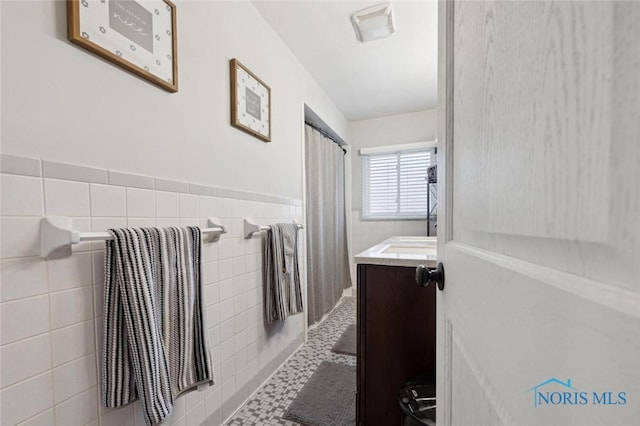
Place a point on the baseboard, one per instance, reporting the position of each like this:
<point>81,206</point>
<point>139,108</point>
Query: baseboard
<point>345,293</point>
<point>257,383</point>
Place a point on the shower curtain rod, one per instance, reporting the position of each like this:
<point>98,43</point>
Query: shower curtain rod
<point>326,135</point>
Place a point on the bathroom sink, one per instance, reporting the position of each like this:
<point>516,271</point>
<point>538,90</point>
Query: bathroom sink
<point>410,248</point>
<point>401,251</point>
<point>413,241</point>
<point>410,245</point>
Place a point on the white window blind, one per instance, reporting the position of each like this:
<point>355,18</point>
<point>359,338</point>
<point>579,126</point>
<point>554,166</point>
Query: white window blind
<point>395,184</point>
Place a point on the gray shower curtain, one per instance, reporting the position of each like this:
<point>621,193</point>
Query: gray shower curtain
<point>327,257</point>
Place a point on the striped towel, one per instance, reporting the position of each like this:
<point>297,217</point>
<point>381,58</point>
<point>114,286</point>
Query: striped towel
<point>155,344</point>
<point>282,279</point>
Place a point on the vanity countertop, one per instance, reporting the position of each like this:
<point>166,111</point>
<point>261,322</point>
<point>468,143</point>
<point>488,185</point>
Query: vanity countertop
<point>401,251</point>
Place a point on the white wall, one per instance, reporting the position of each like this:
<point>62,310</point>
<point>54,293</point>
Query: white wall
<point>398,129</point>
<point>61,103</point>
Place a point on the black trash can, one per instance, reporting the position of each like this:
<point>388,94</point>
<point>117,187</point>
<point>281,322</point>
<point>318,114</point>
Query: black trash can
<point>418,402</point>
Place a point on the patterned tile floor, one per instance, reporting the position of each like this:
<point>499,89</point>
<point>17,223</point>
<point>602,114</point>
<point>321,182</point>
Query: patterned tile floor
<point>268,405</point>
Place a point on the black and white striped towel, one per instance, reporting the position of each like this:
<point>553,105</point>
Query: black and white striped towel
<point>283,295</point>
<point>155,344</point>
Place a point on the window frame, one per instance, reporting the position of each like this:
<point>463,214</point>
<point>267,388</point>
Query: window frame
<point>367,155</point>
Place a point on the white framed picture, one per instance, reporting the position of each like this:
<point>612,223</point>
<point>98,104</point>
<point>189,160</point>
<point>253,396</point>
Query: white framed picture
<point>250,102</point>
<point>138,36</point>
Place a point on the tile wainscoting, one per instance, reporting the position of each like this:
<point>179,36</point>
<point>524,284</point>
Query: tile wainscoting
<point>51,310</point>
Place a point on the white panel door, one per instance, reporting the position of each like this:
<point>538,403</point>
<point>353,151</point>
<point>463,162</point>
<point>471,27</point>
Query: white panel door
<point>539,321</point>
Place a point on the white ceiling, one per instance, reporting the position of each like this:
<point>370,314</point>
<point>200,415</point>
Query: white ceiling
<point>384,77</point>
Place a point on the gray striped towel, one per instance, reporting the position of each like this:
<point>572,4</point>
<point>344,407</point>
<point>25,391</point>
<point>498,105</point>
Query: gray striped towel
<point>283,295</point>
<point>155,344</point>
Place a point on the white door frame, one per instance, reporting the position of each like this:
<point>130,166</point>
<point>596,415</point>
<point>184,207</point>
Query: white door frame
<point>445,196</point>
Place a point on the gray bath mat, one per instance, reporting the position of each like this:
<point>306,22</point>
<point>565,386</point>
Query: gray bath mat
<point>328,398</point>
<point>346,344</point>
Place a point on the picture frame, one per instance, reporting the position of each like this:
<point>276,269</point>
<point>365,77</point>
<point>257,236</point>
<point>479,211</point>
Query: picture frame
<point>250,102</point>
<point>137,36</point>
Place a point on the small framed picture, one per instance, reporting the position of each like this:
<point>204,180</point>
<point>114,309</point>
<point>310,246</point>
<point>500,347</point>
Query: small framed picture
<point>250,102</point>
<point>138,36</point>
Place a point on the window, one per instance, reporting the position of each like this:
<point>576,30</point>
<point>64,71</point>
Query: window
<point>395,184</point>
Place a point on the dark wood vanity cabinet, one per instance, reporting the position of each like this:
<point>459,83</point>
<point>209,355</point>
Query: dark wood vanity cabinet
<point>396,340</point>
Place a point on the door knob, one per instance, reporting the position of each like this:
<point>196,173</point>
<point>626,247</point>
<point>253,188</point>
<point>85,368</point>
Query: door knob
<point>425,276</point>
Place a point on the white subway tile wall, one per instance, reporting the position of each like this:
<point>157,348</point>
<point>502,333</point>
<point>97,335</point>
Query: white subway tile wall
<point>52,310</point>
<point>66,198</point>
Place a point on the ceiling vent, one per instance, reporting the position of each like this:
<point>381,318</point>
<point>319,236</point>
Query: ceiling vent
<point>374,22</point>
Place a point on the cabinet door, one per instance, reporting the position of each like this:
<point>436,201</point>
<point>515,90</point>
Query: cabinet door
<point>396,339</point>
